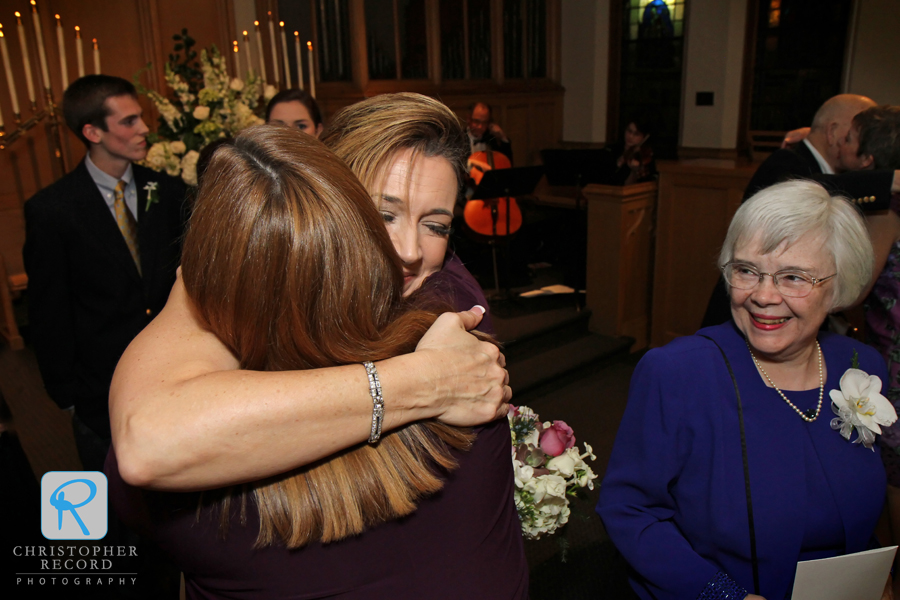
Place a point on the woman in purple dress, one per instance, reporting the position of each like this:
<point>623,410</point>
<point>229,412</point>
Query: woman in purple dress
<point>465,539</point>
<point>711,494</point>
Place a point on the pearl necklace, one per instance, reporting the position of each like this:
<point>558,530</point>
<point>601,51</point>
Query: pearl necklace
<point>807,415</point>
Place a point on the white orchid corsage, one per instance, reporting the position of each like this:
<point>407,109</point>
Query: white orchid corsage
<point>152,197</point>
<point>859,405</point>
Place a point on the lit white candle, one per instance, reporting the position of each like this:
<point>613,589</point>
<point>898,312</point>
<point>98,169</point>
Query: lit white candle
<point>79,51</point>
<point>60,41</point>
<point>312,71</point>
<point>299,62</point>
<point>249,54</point>
<point>237,61</point>
<point>10,80</point>
<point>274,50</point>
<point>262,58</point>
<point>96,57</point>
<point>29,83</point>
<point>39,37</point>
<point>284,55</point>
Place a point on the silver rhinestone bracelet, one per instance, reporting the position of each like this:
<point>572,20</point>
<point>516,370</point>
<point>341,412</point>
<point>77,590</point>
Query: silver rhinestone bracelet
<point>377,402</point>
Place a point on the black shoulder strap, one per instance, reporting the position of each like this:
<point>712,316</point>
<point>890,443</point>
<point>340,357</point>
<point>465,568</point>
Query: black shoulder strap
<point>740,408</point>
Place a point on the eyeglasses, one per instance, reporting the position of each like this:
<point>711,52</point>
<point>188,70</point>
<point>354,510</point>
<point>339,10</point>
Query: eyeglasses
<point>790,283</point>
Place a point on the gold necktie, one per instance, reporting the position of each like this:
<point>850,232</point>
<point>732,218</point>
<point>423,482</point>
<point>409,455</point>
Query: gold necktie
<point>127,224</point>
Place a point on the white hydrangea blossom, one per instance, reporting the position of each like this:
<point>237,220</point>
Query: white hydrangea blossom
<point>189,167</point>
<point>162,156</point>
<point>201,112</point>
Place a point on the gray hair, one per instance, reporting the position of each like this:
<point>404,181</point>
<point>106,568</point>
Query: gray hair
<point>784,213</point>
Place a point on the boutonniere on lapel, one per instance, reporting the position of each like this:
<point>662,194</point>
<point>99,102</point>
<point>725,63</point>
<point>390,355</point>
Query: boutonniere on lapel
<point>859,405</point>
<point>152,196</point>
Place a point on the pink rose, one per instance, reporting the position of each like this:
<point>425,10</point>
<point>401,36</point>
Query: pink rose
<point>557,438</point>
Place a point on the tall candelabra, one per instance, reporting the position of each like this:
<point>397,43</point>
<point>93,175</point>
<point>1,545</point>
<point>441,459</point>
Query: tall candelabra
<point>50,110</point>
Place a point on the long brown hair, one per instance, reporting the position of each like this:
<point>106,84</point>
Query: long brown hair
<point>288,262</point>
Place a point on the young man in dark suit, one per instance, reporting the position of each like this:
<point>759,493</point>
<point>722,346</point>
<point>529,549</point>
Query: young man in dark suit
<point>101,249</point>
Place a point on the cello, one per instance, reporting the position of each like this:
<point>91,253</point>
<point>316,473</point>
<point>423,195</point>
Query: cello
<point>496,216</point>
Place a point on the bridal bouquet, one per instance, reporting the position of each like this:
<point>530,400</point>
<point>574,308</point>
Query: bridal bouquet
<point>549,468</point>
<point>206,104</point>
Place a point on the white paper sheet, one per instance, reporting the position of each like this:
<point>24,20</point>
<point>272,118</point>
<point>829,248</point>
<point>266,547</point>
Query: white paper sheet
<point>859,576</point>
<point>548,290</point>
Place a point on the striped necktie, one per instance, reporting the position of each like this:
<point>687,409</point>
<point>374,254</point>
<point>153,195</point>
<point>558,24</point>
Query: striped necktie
<point>127,224</point>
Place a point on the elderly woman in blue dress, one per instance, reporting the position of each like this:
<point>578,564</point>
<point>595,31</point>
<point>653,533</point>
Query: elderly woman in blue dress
<point>680,494</point>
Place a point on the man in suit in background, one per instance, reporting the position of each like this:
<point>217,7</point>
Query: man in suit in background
<point>101,249</point>
<point>819,157</point>
<point>484,134</point>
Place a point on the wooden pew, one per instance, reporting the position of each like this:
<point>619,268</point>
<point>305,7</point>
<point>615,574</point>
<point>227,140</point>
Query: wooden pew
<point>13,280</point>
<point>697,199</point>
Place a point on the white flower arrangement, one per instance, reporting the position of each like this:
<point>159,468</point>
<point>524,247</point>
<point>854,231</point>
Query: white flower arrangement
<point>548,469</point>
<point>859,405</point>
<point>207,104</point>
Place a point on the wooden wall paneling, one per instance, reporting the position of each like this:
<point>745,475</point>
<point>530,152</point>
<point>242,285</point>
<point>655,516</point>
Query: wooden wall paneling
<point>154,48</point>
<point>747,75</point>
<point>359,53</point>
<point>433,24</point>
<point>207,21</point>
<point>619,259</point>
<point>554,40</point>
<point>697,199</point>
<point>545,130</point>
<point>615,71</point>
<point>227,32</point>
<point>515,120</point>
<point>497,40</point>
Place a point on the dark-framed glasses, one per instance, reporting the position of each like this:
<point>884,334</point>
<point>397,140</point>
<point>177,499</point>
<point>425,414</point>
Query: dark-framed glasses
<point>790,282</point>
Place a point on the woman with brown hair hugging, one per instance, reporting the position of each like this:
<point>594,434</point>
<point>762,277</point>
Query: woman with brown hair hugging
<point>288,265</point>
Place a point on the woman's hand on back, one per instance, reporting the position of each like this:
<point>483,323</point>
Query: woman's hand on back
<point>468,374</point>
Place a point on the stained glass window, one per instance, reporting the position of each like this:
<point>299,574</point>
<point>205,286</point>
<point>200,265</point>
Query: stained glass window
<point>774,13</point>
<point>649,19</point>
<point>650,75</point>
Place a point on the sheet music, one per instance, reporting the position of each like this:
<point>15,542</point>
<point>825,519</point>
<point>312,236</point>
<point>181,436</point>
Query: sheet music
<point>859,576</point>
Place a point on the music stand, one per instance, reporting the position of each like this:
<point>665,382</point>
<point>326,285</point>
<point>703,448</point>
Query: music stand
<point>500,185</point>
<point>579,167</point>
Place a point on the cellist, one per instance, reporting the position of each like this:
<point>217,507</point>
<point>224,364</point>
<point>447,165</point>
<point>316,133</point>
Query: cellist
<point>484,134</point>
<point>490,149</point>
